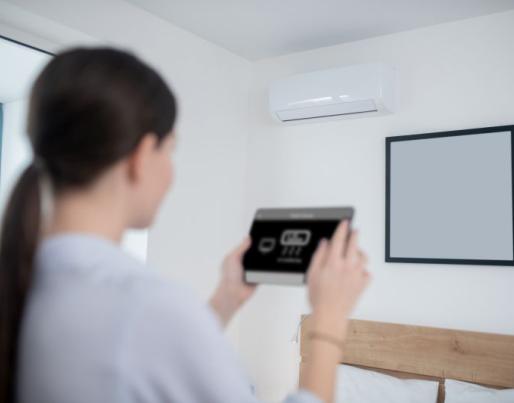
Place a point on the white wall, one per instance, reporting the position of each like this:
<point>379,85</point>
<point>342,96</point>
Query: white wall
<point>453,76</point>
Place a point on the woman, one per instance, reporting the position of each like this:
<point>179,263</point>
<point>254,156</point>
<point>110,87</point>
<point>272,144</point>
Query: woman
<point>80,321</point>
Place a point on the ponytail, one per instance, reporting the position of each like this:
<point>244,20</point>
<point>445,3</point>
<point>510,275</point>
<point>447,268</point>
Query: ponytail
<point>18,242</point>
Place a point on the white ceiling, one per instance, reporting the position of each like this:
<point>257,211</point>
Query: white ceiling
<point>258,29</point>
<point>19,67</point>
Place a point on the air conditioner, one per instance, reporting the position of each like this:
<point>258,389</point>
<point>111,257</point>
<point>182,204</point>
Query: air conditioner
<point>359,90</point>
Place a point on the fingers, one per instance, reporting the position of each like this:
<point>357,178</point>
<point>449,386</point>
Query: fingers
<point>363,258</point>
<point>338,241</point>
<point>319,257</point>
<point>352,250</point>
<point>367,278</point>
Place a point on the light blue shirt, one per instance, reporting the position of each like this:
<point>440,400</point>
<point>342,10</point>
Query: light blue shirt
<point>100,328</point>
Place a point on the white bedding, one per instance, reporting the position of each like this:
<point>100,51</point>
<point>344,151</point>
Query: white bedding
<point>355,385</point>
<point>463,392</point>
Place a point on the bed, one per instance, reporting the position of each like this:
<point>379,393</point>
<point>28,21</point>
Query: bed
<point>417,352</point>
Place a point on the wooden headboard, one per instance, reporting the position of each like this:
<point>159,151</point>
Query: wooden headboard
<point>419,352</point>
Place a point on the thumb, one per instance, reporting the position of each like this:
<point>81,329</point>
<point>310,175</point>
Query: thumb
<point>239,251</point>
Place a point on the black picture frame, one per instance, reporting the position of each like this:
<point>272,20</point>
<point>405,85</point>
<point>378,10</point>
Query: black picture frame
<point>392,139</point>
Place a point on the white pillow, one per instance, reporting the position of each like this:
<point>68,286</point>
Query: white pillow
<point>463,392</point>
<point>355,385</point>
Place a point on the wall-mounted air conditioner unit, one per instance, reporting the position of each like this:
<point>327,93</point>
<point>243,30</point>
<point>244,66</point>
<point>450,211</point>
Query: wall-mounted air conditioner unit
<point>359,90</point>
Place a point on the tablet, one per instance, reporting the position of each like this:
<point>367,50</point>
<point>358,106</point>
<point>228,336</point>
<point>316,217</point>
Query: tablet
<point>284,240</point>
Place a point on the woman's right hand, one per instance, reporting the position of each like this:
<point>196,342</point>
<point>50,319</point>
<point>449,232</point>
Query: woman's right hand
<point>336,278</point>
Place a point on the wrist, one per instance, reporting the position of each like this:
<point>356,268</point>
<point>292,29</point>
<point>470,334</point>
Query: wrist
<point>337,342</point>
<point>332,323</point>
<point>224,306</point>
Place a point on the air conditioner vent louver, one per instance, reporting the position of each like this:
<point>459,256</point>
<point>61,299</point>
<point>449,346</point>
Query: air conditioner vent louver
<point>327,111</point>
<point>350,91</point>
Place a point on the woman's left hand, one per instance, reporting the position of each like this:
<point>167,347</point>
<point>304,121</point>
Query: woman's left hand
<point>232,291</point>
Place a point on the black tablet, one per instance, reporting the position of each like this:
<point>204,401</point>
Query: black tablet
<point>284,240</point>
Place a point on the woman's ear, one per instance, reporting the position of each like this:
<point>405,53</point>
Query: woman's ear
<point>139,160</point>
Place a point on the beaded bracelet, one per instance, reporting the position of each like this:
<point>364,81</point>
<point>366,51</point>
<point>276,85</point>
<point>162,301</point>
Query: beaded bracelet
<point>326,337</point>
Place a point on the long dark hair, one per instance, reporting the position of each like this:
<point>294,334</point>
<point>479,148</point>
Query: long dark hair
<point>89,108</point>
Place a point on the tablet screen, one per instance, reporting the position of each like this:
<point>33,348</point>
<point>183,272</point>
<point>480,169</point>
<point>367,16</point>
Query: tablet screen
<point>286,244</point>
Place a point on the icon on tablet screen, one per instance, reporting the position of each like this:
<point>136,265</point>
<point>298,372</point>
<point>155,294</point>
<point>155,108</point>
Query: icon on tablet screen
<point>295,237</point>
<point>266,245</point>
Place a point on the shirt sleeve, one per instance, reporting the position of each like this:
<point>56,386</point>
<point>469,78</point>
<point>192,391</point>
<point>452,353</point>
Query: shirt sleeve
<point>302,396</point>
<point>176,352</point>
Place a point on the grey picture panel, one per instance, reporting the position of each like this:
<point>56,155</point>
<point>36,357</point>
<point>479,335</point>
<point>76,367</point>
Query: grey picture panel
<point>451,197</point>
